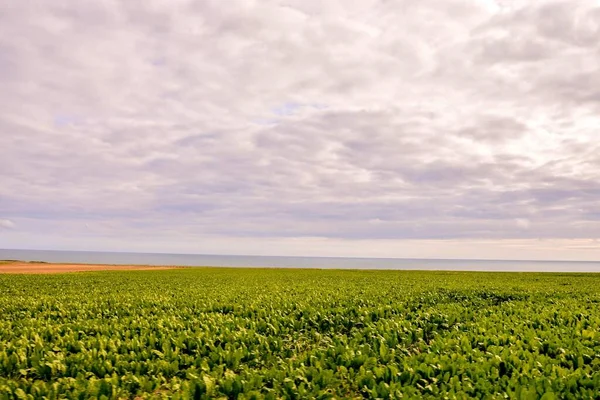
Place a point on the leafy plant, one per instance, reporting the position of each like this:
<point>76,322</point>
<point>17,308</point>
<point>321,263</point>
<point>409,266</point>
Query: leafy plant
<point>267,334</point>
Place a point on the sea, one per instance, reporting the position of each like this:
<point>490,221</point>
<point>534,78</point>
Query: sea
<point>205,260</point>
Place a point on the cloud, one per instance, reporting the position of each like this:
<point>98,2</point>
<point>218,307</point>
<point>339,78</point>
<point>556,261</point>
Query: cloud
<point>453,120</point>
<point>6,224</point>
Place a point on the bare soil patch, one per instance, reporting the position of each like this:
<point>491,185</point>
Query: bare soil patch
<point>20,267</point>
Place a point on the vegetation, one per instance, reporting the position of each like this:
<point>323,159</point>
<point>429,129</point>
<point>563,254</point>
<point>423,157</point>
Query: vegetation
<point>19,261</point>
<point>259,333</point>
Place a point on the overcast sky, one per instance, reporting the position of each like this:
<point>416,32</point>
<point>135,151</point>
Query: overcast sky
<point>408,128</point>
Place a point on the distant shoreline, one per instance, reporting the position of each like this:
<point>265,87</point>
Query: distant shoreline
<point>42,267</point>
<point>296,262</point>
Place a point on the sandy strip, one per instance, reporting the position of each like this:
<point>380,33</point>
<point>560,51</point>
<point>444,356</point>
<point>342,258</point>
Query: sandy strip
<point>47,268</point>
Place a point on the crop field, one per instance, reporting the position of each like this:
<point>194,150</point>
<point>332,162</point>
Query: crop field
<point>260,333</point>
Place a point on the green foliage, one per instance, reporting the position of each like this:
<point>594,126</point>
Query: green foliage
<point>266,334</point>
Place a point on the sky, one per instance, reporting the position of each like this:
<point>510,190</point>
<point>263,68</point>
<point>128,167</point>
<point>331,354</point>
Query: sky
<point>374,128</point>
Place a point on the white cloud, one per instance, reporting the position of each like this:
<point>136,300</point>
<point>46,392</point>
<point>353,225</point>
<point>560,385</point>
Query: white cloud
<point>454,120</point>
<point>6,224</point>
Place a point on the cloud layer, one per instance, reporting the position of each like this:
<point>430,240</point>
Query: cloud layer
<point>176,121</point>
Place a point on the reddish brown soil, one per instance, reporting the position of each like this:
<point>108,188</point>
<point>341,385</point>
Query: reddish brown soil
<point>43,268</point>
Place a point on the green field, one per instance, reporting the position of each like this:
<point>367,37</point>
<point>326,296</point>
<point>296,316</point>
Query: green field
<point>258,333</point>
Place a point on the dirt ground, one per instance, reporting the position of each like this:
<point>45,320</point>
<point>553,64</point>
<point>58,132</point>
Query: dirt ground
<point>47,268</point>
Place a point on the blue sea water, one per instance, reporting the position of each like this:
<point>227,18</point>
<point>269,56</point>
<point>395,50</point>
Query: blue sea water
<point>297,262</point>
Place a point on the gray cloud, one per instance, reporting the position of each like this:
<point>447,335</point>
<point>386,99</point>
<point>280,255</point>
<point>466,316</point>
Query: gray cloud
<point>297,119</point>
